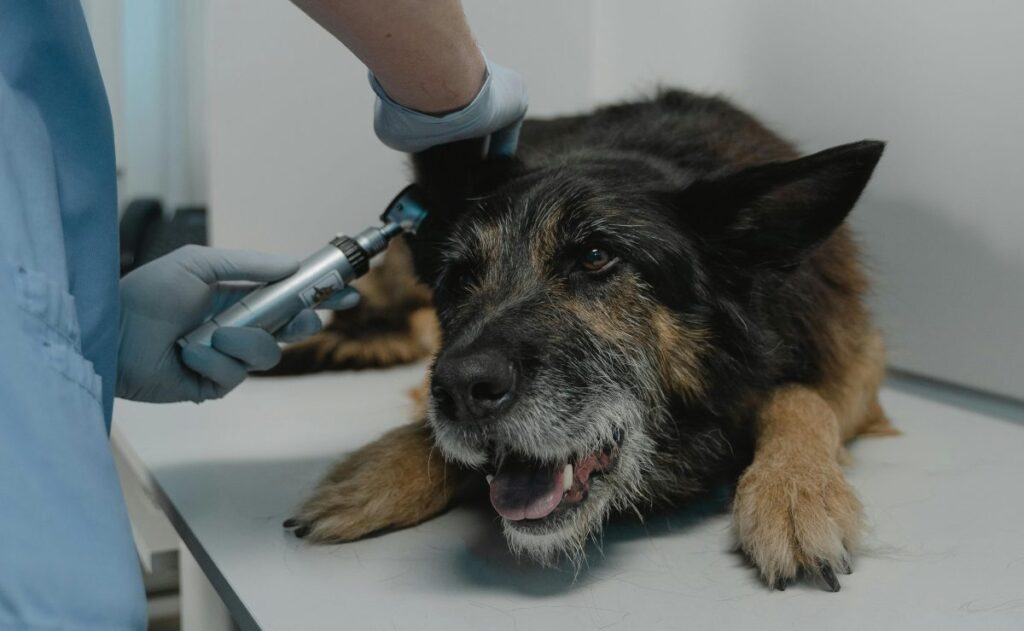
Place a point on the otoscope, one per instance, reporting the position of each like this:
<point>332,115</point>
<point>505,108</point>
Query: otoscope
<point>327,271</point>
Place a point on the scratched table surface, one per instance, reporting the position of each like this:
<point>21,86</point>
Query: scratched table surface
<point>944,548</point>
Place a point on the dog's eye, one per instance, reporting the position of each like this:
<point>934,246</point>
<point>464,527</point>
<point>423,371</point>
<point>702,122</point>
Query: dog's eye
<point>595,259</point>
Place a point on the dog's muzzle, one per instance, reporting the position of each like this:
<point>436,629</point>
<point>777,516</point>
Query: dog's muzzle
<point>475,389</point>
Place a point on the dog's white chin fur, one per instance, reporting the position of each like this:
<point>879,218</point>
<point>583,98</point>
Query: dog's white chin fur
<point>587,520</point>
<point>568,541</point>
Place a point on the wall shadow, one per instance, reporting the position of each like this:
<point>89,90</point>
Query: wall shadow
<point>949,304</point>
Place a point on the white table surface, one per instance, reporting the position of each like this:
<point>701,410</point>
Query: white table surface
<point>944,550</point>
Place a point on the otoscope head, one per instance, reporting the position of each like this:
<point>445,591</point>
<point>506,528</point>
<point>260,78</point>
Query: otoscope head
<point>407,209</point>
<point>405,213</point>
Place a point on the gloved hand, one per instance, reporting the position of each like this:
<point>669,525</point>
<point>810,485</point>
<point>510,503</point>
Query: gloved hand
<point>169,297</point>
<point>497,110</point>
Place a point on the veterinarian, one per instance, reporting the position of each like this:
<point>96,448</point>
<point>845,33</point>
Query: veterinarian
<point>72,337</point>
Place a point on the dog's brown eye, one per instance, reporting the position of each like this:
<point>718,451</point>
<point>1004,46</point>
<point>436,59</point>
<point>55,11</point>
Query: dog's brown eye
<point>595,259</point>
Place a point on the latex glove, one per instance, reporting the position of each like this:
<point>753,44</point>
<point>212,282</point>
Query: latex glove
<point>171,296</point>
<point>497,110</point>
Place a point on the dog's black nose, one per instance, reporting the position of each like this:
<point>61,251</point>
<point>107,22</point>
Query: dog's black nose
<point>474,386</point>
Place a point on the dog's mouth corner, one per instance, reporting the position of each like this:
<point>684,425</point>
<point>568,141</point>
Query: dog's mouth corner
<point>529,492</point>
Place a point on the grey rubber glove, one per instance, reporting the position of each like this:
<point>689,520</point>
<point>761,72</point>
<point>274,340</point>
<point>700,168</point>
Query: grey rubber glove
<point>497,111</point>
<point>167,298</point>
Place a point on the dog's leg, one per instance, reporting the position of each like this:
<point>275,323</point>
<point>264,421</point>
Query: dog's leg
<point>853,392</point>
<point>877,422</point>
<point>794,511</point>
<point>396,481</point>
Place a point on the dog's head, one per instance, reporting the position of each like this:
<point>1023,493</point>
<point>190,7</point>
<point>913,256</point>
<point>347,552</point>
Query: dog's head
<point>584,303</point>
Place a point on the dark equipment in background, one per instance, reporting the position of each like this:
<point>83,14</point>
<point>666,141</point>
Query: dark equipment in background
<point>147,235</point>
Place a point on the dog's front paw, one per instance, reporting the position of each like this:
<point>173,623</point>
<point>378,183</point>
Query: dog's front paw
<point>393,482</point>
<point>793,516</point>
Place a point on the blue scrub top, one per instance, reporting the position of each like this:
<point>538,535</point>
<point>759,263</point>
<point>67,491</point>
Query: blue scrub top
<point>47,58</point>
<point>66,554</point>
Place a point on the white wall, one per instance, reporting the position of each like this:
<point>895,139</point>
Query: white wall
<point>942,221</point>
<point>550,43</point>
<point>150,53</point>
<point>292,155</point>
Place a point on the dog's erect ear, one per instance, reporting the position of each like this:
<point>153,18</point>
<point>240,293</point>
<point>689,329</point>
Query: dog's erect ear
<point>451,176</point>
<point>773,214</point>
<point>446,172</point>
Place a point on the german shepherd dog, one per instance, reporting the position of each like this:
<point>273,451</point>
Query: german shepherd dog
<point>646,301</point>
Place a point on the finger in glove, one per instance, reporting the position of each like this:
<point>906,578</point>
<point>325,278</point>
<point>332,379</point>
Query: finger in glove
<point>216,264</point>
<point>214,366</point>
<point>253,347</point>
<point>301,326</point>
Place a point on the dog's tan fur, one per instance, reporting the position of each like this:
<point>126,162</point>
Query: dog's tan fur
<point>678,346</point>
<point>793,508</point>
<point>396,481</point>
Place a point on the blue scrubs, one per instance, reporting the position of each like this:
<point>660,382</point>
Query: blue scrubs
<point>66,554</point>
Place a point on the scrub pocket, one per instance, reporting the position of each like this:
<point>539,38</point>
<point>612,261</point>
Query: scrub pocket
<point>52,323</point>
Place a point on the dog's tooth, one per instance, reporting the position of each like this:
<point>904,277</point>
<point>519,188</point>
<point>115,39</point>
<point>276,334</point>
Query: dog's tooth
<point>490,478</point>
<point>567,477</point>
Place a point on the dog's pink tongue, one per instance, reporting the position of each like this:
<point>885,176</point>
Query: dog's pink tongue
<point>523,490</point>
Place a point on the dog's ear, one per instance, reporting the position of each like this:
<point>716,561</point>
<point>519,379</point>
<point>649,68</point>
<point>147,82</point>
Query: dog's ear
<point>446,173</point>
<point>451,177</point>
<point>774,214</point>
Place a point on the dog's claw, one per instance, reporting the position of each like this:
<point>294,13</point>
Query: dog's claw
<point>779,584</point>
<point>845,567</point>
<point>301,531</point>
<point>828,575</point>
<point>291,522</point>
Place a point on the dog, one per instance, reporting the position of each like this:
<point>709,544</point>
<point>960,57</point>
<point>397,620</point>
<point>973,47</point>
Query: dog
<point>647,301</point>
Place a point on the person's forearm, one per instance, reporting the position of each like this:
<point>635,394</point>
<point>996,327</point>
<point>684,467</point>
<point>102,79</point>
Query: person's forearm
<point>421,51</point>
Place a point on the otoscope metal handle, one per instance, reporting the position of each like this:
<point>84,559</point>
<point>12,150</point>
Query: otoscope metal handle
<point>272,306</point>
<point>326,272</point>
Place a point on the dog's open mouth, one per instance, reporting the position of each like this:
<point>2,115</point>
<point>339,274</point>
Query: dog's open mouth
<point>523,490</point>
